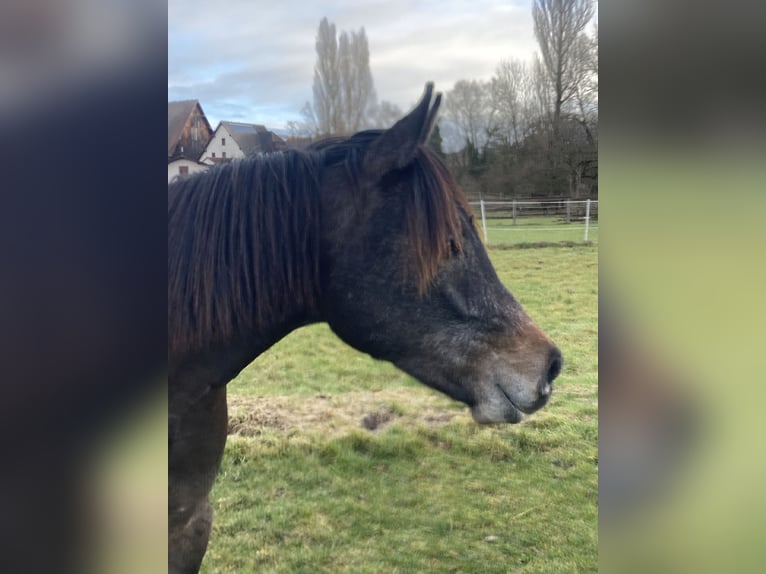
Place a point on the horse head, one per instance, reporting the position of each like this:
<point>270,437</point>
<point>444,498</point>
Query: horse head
<point>406,278</point>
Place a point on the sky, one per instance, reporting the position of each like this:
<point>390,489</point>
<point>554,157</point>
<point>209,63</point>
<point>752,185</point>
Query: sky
<point>253,60</point>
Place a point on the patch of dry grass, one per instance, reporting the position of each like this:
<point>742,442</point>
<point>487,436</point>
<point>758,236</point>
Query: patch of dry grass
<point>336,415</point>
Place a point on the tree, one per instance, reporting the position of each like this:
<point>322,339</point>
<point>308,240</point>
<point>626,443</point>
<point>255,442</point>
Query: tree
<point>468,107</point>
<point>344,91</point>
<point>326,80</point>
<point>586,94</point>
<point>384,115</point>
<point>558,27</point>
<point>309,124</point>
<point>298,129</point>
<point>358,90</point>
<point>470,113</point>
<point>515,100</point>
<point>435,141</point>
<point>542,106</point>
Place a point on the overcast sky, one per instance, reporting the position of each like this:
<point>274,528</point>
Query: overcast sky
<point>253,60</point>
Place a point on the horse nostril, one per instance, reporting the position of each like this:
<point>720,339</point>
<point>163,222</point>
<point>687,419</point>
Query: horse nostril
<point>555,362</point>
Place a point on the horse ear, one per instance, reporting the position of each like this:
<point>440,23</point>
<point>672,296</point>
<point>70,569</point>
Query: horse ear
<point>396,147</point>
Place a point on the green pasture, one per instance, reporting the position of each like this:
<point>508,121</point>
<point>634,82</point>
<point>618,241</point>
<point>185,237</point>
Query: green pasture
<point>340,463</point>
<point>503,231</point>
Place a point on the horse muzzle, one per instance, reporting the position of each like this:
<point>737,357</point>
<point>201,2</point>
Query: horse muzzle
<point>507,398</point>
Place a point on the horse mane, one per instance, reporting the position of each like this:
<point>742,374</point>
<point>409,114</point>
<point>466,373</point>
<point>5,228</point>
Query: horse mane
<point>243,237</point>
<point>243,246</point>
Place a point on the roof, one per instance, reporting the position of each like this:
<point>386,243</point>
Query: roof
<point>178,113</point>
<point>242,127</point>
<point>252,138</point>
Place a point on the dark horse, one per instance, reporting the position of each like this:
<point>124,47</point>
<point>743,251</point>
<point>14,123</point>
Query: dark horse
<point>370,234</point>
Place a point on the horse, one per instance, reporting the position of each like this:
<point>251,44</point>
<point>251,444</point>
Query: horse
<point>370,234</point>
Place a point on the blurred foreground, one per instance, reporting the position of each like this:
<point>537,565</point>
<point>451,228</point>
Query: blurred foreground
<point>680,353</point>
<point>82,275</point>
<point>682,184</point>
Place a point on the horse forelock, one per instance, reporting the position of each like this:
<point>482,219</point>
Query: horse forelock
<point>433,217</point>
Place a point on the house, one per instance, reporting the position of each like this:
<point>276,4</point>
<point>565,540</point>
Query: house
<point>188,134</point>
<point>233,140</point>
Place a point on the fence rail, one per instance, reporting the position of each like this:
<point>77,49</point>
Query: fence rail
<point>529,221</point>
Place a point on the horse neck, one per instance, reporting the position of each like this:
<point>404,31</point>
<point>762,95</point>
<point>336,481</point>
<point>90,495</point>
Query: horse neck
<point>192,374</point>
<point>268,334</point>
<point>243,257</point>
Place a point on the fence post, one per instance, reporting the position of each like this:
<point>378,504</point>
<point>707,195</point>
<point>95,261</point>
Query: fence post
<point>587,218</point>
<point>569,211</point>
<point>484,221</point>
<point>514,212</point>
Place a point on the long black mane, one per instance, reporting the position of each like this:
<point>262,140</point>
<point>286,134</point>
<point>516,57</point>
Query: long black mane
<point>243,242</point>
<point>244,237</point>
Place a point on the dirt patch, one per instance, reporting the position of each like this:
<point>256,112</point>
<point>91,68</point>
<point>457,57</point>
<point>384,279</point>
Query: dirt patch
<point>252,421</point>
<point>373,421</point>
<point>336,415</point>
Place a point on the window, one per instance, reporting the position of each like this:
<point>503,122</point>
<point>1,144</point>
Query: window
<point>223,141</point>
<point>213,155</point>
<point>223,154</point>
<point>183,169</point>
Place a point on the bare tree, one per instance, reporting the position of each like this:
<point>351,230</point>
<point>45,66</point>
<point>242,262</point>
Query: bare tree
<point>542,107</point>
<point>309,124</point>
<point>558,25</point>
<point>358,89</point>
<point>344,92</point>
<point>384,115</point>
<point>294,128</point>
<point>469,107</point>
<point>513,98</point>
<point>586,93</point>
<point>593,59</point>
<point>470,115</point>
<point>326,79</point>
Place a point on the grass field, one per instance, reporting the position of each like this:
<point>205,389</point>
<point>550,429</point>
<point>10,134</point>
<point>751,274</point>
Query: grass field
<point>339,463</point>
<point>538,230</point>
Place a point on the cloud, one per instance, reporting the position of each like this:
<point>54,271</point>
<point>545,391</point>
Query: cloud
<point>256,59</point>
